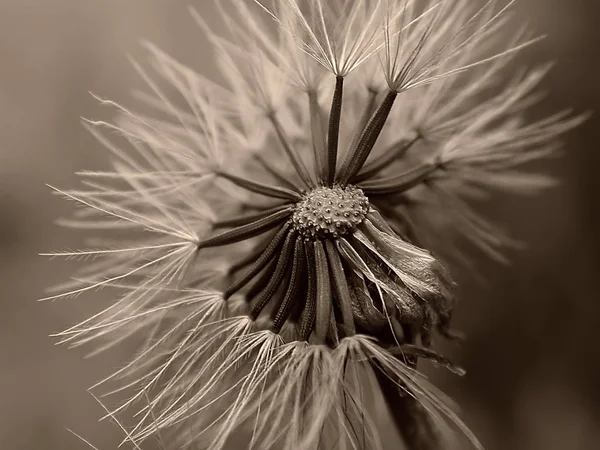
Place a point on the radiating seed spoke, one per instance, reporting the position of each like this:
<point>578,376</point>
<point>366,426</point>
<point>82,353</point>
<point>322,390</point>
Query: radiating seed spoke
<point>400,183</point>
<point>289,149</point>
<point>252,256</point>
<point>275,173</point>
<point>307,319</point>
<point>247,231</point>
<point>342,292</point>
<point>396,151</point>
<point>362,123</point>
<point>260,188</point>
<point>247,219</point>
<point>262,280</point>
<point>323,303</point>
<point>283,264</point>
<point>317,135</point>
<point>355,162</point>
<point>265,257</point>
<point>294,286</point>
<point>334,129</point>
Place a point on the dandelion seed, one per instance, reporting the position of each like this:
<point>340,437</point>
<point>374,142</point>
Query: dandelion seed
<point>271,236</point>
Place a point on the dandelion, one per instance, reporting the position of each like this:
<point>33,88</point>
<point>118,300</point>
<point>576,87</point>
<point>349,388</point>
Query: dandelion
<point>280,239</point>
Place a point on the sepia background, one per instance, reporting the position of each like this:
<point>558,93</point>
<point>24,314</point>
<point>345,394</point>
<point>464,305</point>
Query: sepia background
<point>533,349</point>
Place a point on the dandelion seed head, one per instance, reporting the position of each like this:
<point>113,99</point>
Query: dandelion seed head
<point>330,212</point>
<point>280,238</point>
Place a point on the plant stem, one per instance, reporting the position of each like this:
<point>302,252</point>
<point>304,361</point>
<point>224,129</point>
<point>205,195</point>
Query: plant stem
<point>412,420</point>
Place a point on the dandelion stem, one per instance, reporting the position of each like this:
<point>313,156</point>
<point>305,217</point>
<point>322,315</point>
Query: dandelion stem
<point>356,160</point>
<point>335,117</point>
<point>411,418</point>
<point>395,151</point>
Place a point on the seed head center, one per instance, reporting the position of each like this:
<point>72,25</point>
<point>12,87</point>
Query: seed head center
<point>330,212</point>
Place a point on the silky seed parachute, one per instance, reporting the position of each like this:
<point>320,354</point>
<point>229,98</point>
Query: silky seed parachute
<point>273,234</point>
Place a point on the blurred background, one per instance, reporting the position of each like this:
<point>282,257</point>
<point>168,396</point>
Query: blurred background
<point>532,354</point>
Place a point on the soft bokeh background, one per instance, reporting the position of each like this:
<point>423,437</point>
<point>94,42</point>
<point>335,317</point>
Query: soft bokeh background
<point>532,355</point>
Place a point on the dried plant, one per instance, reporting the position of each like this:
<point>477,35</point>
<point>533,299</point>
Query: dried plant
<point>280,237</point>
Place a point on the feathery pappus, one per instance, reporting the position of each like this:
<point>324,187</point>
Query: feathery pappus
<point>279,237</point>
